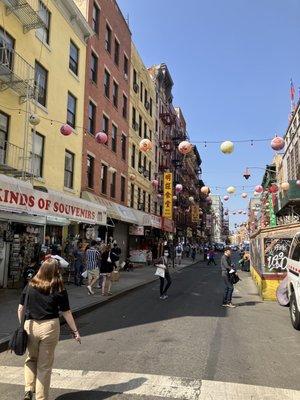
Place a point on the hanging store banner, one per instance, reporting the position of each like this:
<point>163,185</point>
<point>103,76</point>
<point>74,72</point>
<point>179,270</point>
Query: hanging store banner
<point>195,213</point>
<point>273,221</point>
<point>168,195</point>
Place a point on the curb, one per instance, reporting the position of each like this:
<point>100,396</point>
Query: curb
<point>79,311</point>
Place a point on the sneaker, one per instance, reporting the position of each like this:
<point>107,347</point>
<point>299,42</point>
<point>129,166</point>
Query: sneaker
<point>224,305</point>
<point>163,297</point>
<point>89,288</point>
<point>230,305</point>
<point>28,395</point>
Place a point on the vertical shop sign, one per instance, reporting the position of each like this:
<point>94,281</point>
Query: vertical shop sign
<point>272,214</point>
<point>195,213</point>
<point>168,195</point>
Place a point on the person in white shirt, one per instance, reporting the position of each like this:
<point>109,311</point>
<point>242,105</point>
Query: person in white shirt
<point>178,253</point>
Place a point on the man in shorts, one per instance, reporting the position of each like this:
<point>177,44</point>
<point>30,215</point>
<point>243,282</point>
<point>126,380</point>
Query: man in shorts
<point>92,265</point>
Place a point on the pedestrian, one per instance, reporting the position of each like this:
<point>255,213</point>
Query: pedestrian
<point>78,264</point>
<point>163,262</point>
<point>29,272</point>
<point>227,268</point>
<point>92,257</point>
<point>193,252</point>
<point>106,269</point>
<point>46,297</point>
<point>115,254</point>
<point>178,253</point>
<point>211,257</point>
<point>205,252</point>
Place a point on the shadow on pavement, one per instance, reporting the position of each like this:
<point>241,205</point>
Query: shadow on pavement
<point>103,392</point>
<point>248,303</point>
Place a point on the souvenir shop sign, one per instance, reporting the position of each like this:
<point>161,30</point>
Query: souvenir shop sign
<point>18,196</point>
<point>168,195</point>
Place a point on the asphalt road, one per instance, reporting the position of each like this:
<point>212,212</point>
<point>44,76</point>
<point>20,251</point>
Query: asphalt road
<point>186,347</point>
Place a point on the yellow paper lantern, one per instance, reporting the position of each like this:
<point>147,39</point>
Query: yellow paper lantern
<point>285,186</point>
<point>231,189</point>
<point>227,147</point>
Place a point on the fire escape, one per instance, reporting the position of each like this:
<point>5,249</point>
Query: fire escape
<point>17,75</point>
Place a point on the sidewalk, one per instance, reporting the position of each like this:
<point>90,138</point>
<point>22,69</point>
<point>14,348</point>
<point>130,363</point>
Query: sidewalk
<point>80,301</point>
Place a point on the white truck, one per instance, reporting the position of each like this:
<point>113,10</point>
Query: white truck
<point>293,281</point>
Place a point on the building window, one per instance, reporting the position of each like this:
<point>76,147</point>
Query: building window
<point>144,200</point>
<point>96,19</point>
<point>132,196</point>
<point>108,38</point>
<point>90,164</point>
<point>150,135</point>
<point>123,183</point>
<point>4,127</point>
<point>69,169</point>
<point>104,179</point>
<point>105,124</point>
<point>44,33</point>
<point>149,203</point>
<point>156,154</point>
<point>133,117</point>
<point>117,52</point>
<point>133,156</point>
<point>106,83</point>
<point>141,92</point>
<point>115,94</point>
<point>145,163</point>
<point>71,110</point>
<point>155,207</point>
<point>113,185</point>
<point>92,117</point>
<point>150,170</point>
<point>94,68</point>
<point>146,98</point>
<point>124,106</point>
<point>140,159</point>
<point>114,131</point>
<point>41,82</point>
<point>151,105</point>
<point>125,66</point>
<point>140,125</point>
<point>134,77</point>
<point>37,155</point>
<point>124,144</point>
<point>145,130</point>
<point>73,58</point>
<point>139,197</point>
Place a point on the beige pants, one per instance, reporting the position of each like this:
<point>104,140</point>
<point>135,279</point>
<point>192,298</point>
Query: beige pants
<point>43,337</point>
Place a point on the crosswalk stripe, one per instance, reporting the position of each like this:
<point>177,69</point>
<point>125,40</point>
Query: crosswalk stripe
<point>167,387</point>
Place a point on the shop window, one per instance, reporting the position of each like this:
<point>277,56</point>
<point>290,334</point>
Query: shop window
<point>90,171</point>
<point>69,170</point>
<point>104,172</point>
<point>73,58</point>
<point>124,144</point>
<point>114,132</point>
<point>96,18</point>
<point>113,185</point>
<point>71,110</point>
<point>41,82</point>
<point>123,185</point>
<point>132,195</point>
<point>37,155</point>
<point>4,127</point>
<point>44,33</point>
<point>94,68</point>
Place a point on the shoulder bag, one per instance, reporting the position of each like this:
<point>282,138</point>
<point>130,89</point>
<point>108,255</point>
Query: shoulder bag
<point>18,340</point>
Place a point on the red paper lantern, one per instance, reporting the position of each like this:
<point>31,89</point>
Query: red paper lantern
<point>66,130</point>
<point>273,188</point>
<point>277,143</point>
<point>259,189</point>
<point>101,137</point>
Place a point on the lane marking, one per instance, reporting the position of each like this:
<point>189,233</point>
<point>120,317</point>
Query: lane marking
<point>167,387</point>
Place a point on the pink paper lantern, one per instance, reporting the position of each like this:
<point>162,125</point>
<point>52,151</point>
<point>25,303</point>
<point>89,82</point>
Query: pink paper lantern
<point>101,137</point>
<point>178,188</point>
<point>145,145</point>
<point>277,143</point>
<point>259,189</point>
<point>174,197</point>
<point>155,183</point>
<point>226,198</point>
<point>66,130</point>
<point>298,182</point>
<point>159,196</point>
<point>244,195</point>
<point>185,147</point>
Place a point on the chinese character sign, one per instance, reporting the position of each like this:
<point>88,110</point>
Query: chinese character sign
<point>195,213</point>
<point>168,195</point>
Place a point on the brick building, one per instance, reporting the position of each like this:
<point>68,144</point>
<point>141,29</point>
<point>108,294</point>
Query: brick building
<point>107,92</point>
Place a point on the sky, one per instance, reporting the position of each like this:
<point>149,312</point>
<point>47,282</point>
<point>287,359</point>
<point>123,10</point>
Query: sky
<point>231,62</point>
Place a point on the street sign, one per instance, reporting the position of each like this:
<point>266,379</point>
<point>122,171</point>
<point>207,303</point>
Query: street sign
<point>168,195</point>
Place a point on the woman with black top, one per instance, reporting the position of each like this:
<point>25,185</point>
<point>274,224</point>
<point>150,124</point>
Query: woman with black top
<point>106,269</point>
<point>46,297</point>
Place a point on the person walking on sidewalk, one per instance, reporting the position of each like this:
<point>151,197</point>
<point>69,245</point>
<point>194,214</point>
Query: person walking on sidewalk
<point>193,252</point>
<point>46,297</point>
<point>106,269</point>
<point>226,267</point>
<point>78,264</point>
<point>178,253</point>
<point>211,257</point>
<point>92,257</point>
<point>164,263</point>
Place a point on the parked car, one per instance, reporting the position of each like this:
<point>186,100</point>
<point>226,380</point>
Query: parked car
<point>293,281</point>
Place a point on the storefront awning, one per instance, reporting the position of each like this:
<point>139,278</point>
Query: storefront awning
<point>114,210</point>
<point>20,197</point>
<point>145,219</point>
